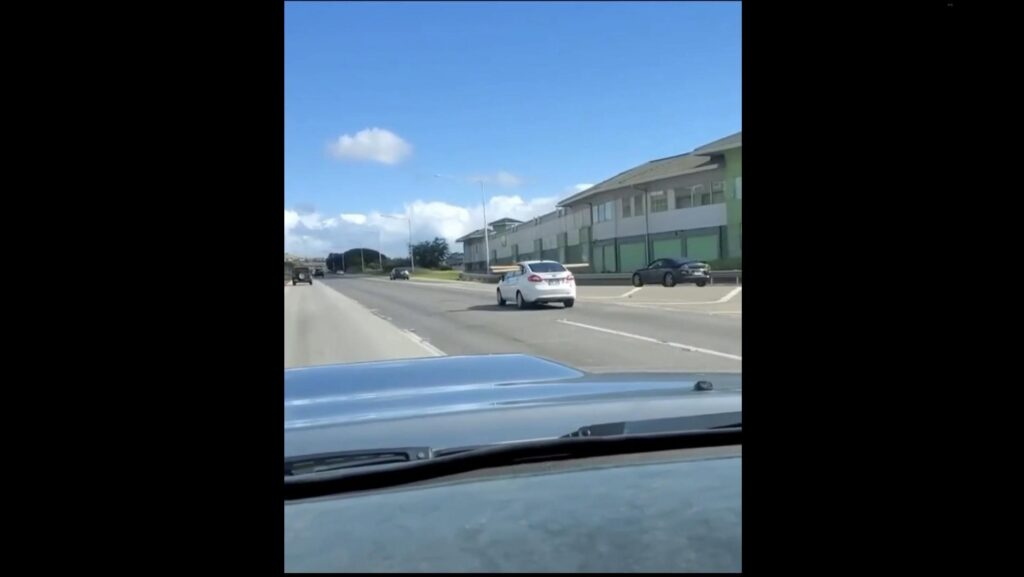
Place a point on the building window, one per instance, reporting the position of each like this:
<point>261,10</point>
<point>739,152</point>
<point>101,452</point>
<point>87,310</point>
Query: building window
<point>638,204</point>
<point>739,188</point>
<point>718,192</point>
<point>659,201</point>
<point>700,196</point>
<point>627,205</point>
<point>683,198</point>
<point>604,211</point>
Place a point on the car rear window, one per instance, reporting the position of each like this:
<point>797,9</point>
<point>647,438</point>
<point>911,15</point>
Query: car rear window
<point>547,267</point>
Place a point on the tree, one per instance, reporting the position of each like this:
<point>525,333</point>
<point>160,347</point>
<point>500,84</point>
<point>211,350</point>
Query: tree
<point>353,258</point>
<point>430,254</point>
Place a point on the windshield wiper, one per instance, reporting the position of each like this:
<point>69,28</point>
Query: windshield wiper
<point>339,460</point>
<point>666,425</point>
<point>444,463</point>
<point>322,462</point>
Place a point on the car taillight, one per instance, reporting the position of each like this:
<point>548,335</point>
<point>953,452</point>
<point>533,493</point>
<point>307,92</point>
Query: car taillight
<point>570,278</point>
<point>533,278</point>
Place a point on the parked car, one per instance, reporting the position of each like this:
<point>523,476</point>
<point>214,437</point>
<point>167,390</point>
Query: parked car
<point>538,281</point>
<point>510,463</point>
<point>301,274</point>
<point>318,272</point>
<point>400,273</point>
<point>672,271</point>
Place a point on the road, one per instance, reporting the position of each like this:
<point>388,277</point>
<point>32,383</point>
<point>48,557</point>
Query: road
<point>323,326</point>
<point>611,328</point>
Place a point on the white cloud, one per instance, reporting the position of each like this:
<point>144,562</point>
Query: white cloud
<point>317,235</point>
<point>376,144</point>
<point>354,218</point>
<point>581,187</point>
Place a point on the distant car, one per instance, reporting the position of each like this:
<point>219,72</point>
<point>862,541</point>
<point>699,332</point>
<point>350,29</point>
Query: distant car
<point>672,271</point>
<point>399,274</point>
<point>538,281</point>
<point>318,272</point>
<point>301,274</point>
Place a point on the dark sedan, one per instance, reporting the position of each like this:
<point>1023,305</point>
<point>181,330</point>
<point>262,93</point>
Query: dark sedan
<point>672,271</point>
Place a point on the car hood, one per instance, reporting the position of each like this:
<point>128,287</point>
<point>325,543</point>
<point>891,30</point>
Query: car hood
<point>467,400</point>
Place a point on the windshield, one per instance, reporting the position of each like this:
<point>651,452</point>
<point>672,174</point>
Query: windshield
<point>471,144</point>
<point>436,156</point>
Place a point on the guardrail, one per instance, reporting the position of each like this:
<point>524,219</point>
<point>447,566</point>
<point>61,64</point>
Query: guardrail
<point>610,278</point>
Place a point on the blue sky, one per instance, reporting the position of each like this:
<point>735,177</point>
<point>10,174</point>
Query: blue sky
<point>531,98</point>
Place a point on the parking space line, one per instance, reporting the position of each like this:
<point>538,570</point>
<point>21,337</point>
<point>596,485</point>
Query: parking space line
<point>731,294</point>
<point>634,290</point>
<point>690,348</point>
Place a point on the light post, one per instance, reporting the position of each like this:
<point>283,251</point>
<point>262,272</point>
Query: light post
<point>483,204</point>
<point>412,258</point>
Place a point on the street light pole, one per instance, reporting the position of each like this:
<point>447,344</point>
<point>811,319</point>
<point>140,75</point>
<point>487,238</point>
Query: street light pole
<point>483,203</point>
<point>412,256</point>
<point>408,217</point>
<point>487,243</point>
<point>380,247</point>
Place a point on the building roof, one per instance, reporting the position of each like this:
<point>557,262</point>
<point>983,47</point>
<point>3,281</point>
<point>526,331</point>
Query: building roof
<point>478,233</point>
<point>722,144</point>
<point>661,168</point>
<point>653,170</point>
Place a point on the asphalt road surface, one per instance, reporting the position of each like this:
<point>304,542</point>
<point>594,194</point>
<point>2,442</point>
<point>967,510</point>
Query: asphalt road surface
<point>323,326</point>
<point>611,328</point>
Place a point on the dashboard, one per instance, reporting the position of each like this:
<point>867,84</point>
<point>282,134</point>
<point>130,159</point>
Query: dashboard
<point>674,511</point>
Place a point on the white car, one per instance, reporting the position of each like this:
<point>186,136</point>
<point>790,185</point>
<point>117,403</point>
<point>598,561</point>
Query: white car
<point>538,281</point>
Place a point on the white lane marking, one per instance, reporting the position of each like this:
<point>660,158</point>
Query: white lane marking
<point>731,294</point>
<point>380,314</point>
<point>690,348</point>
<point>728,296</point>
<point>423,343</point>
<point>626,294</point>
<point>694,311</point>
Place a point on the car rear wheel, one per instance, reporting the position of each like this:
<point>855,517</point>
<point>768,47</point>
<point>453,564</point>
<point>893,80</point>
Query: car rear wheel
<point>294,283</point>
<point>669,280</point>
<point>520,301</point>
<point>568,304</point>
<point>702,282</point>
<point>637,281</point>
<point>501,301</point>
